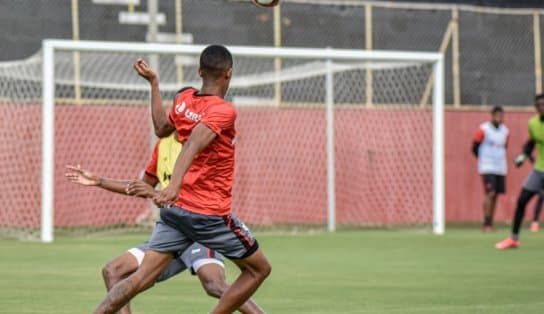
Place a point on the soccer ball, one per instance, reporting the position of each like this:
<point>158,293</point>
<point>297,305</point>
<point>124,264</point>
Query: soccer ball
<point>266,3</point>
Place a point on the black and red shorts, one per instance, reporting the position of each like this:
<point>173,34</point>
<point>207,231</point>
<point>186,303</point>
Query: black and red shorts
<point>494,183</point>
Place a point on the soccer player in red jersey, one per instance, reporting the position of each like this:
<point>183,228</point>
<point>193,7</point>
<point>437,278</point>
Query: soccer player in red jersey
<point>198,197</point>
<point>202,262</point>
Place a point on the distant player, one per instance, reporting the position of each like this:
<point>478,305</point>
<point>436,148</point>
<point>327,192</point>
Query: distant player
<point>489,147</point>
<point>201,261</point>
<point>199,195</point>
<point>534,184</point>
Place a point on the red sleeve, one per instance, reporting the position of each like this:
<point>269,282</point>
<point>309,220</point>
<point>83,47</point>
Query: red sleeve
<point>151,169</point>
<point>479,136</point>
<point>220,117</point>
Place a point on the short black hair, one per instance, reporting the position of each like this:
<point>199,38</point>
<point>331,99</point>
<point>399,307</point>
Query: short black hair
<point>215,59</point>
<point>496,109</point>
<point>539,97</point>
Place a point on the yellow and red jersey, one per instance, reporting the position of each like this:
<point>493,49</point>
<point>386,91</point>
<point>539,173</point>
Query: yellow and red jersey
<point>163,160</point>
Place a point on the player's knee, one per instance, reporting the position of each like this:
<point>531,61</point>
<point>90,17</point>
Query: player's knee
<point>261,271</point>
<point>214,288</point>
<point>524,197</point>
<point>266,269</point>
<point>109,272</point>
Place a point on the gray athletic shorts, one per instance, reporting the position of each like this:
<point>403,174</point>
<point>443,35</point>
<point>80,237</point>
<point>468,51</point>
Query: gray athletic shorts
<point>192,258</point>
<point>535,181</point>
<point>179,228</point>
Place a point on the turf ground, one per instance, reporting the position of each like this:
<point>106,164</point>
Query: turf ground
<point>346,272</point>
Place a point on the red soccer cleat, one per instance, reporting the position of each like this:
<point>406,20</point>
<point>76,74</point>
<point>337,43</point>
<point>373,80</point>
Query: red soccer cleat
<point>534,226</point>
<point>507,243</point>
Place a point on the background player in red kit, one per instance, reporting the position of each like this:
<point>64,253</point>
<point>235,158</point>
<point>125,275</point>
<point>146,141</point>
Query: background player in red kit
<point>199,194</point>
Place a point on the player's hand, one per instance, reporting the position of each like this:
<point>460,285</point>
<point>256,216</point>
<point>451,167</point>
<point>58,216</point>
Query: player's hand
<point>81,176</point>
<point>166,197</point>
<point>144,70</point>
<point>519,160</point>
<point>139,188</point>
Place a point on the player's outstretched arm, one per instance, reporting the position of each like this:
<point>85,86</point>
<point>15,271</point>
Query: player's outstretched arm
<point>158,114</point>
<point>200,138</point>
<point>127,187</point>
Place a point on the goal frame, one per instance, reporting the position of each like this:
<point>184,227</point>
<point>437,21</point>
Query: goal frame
<point>50,46</point>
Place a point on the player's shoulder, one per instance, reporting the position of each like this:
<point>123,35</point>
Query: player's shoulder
<point>535,121</point>
<point>484,125</point>
<point>217,104</point>
<point>188,90</point>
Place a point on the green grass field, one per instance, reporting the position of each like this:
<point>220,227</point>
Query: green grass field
<point>347,272</point>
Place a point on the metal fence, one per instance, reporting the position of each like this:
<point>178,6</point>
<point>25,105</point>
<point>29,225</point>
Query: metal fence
<point>493,55</point>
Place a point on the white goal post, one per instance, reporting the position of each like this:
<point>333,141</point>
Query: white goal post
<point>328,56</point>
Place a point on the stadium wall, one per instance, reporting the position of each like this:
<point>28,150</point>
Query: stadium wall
<point>258,198</point>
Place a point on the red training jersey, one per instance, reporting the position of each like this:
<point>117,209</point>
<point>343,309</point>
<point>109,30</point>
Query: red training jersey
<point>207,185</point>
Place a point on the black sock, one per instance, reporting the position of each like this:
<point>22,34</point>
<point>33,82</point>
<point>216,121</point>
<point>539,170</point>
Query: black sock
<point>538,209</point>
<point>488,221</point>
<point>523,199</point>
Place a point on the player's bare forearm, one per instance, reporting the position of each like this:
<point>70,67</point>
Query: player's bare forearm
<point>160,122</point>
<point>200,138</point>
<point>142,188</point>
<point>78,175</point>
<point>116,186</point>
<point>158,114</point>
<point>183,163</point>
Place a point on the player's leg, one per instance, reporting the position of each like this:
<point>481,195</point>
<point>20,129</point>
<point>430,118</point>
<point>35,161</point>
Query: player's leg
<point>490,188</point>
<point>536,216</point>
<point>175,267</point>
<point>165,241</point>
<point>153,265</point>
<point>254,270</point>
<point>530,187</point>
<point>499,188</point>
<point>120,268</point>
<point>523,199</point>
<point>212,277</point>
<point>230,237</point>
<point>208,266</point>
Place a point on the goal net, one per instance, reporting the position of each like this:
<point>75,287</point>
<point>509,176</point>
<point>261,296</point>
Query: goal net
<point>324,137</point>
